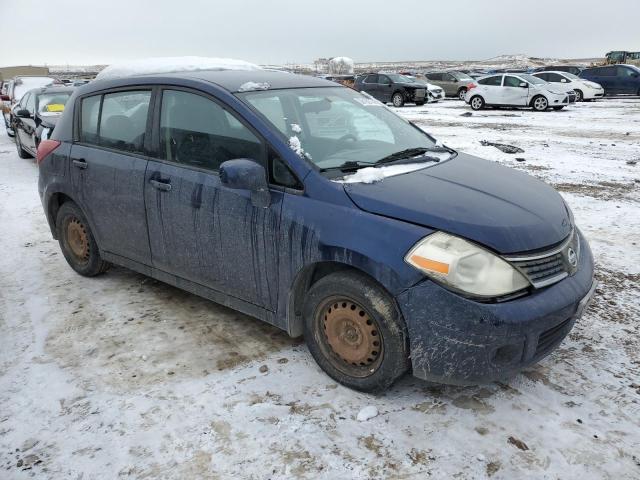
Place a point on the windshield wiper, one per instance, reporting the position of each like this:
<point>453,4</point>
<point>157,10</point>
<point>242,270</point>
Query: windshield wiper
<point>348,166</point>
<point>411,155</point>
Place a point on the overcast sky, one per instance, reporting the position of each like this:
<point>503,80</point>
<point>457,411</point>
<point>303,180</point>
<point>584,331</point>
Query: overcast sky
<point>286,31</point>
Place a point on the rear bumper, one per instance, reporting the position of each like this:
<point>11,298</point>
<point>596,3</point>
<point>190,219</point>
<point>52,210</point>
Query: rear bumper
<point>455,340</point>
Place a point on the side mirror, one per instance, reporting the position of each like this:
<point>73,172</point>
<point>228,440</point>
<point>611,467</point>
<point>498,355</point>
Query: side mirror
<point>22,113</point>
<point>563,80</point>
<point>524,85</point>
<point>246,174</point>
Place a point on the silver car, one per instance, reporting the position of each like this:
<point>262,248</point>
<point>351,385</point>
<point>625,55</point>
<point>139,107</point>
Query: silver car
<point>453,83</point>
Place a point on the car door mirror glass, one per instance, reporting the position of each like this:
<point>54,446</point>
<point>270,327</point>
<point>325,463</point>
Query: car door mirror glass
<point>23,113</point>
<point>247,174</point>
<point>524,84</point>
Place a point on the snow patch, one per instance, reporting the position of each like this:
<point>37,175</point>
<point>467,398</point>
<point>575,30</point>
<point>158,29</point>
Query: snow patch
<point>172,64</point>
<point>367,413</point>
<point>253,86</point>
<point>296,146</point>
<point>377,174</point>
<point>295,128</point>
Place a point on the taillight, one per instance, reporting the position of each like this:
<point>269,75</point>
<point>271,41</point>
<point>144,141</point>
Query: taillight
<point>45,148</point>
<point>471,85</point>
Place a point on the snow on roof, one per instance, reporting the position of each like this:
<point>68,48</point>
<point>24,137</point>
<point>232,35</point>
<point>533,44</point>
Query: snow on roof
<point>172,64</point>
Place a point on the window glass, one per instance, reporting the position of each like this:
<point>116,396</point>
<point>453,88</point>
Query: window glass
<point>52,103</point>
<point>24,100</point>
<point>123,120</point>
<point>510,81</point>
<point>371,79</point>
<point>197,131</point>
<point>31,103</point>
<point>384,80</point>
<point>625,72</point>
<point>554,78</point>
<point>89,119</point>
<point>607,71</point>
<point>495,81</point>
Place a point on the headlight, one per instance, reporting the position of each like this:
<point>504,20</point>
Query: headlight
<point>465,266</point>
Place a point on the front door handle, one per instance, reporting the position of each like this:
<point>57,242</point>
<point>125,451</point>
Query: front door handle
<point>163,186</point>
<point>80,163</point>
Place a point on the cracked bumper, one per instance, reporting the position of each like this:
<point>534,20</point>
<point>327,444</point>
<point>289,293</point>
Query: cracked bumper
<point>455,340</point>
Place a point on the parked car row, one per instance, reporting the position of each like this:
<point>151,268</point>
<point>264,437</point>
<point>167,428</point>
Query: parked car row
<point>13,92</point>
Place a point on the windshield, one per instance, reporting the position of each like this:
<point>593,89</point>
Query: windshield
<point>532,79</point>
<point>52,103</point>
<point>334,125</point>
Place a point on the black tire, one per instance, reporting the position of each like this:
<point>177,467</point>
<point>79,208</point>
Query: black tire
<point>89,263</point>
<point>461,93</point>
<point>558,108</point>
<point>22,153</point>
<point>477,102</point>
<point>579,96</point>
<point>539,103</point>
<point>397,99</point>
<point>356,304</point>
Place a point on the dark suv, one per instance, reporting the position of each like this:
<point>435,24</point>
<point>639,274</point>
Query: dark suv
<point>315,208</point>
<point>615,79</point>
<point>392,87</point>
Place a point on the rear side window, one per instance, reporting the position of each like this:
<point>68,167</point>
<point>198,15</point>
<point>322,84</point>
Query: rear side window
<point>434,76</point>
<point>198,132</point>
<point>115,120</point>
<point>123,120</point>
<point>90,112</point>
<point>371,79</point>
<point>495,81</point>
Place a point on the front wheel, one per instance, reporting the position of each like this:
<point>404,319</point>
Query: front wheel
<point>477,103</point>
<point>22,153</point>
<point>462,93</point>
<point>579,96</point>
<point>540,103</point>
<point>77,242</point>
<point>397,99</point>
<point>354,332</point>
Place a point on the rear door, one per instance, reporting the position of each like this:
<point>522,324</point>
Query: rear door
<point>492,89</point>
<point>628,80</point>
<point>18,121</point>
<point>606,76</point>
<point>28,125</point>
<point>385,88</point>
<point>513,93</point>
<point>199,229</point>
<point>108,164</point>
<point>370,85</point>
<point>450,85</point>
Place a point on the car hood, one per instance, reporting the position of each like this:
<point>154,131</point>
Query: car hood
<point>502,208</point>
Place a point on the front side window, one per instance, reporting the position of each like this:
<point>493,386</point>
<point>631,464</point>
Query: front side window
<point>198,132</point>
<point>492,81</point>
<point>331,126</point>
<point>434,76</point>
<point>24,100</point>
<point>626,72</point>
<point>371,79</point>
<point>31,103</point>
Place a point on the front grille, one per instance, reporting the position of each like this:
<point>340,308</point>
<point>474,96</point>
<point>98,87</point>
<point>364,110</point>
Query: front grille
<point>552,337</point>
<point>551,266</point>
<point>544,270</point>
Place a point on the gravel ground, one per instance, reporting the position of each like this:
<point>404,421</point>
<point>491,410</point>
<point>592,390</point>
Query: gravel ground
<point>121,376</point>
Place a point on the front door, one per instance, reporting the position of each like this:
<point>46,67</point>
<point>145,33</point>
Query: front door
<point>200,230</point>
<point>108,168</point>
<point>385,88</point>
<point>513,93</point>
<point>628,79</point>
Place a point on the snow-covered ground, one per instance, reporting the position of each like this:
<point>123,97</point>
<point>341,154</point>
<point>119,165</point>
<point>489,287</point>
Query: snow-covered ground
<point>124,377</point>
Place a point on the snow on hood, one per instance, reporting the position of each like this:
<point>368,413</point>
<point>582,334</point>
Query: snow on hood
<point>377,174</point>
<point>172,64</point>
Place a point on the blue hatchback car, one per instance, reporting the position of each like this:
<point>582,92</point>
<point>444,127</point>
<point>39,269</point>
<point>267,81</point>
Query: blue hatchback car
<point>317,209</point>
<point>615,79</point>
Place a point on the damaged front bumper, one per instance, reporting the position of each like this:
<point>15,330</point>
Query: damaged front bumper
<point>459,341</point>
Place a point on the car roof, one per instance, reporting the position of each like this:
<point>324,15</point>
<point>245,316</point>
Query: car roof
<point>56,89</point>
<point>232,80</point>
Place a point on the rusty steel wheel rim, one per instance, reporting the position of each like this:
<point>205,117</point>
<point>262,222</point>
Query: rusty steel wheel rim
<point>78,240</point>
<point>351,336</point>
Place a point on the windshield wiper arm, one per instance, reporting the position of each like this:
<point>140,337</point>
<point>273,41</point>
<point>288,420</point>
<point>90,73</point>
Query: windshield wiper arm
<point>347,166</point>
<point>411,155</point>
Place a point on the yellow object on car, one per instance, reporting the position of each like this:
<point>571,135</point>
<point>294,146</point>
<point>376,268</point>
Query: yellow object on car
<point>54,108</point>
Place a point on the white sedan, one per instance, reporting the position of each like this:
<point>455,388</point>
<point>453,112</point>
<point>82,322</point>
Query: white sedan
<point>435,93</point>
<point>515,90</point>
<point>585,89</point>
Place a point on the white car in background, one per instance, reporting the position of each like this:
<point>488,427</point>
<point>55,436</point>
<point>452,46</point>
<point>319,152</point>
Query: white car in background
<point>516,90</point>
<point>585,89</point>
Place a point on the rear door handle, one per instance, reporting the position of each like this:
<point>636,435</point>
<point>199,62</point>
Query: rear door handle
<point>163,186</point>
<point>80,163</point>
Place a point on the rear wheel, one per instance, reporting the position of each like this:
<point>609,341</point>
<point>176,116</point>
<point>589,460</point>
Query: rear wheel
<point>22,153</point>
<point>461,93</point>
<point>540,103</point>
<point>397,99</point>
<point>579,96</point>
<point>77,242</point>
<point>477,102</point>
<point>355,332</point>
